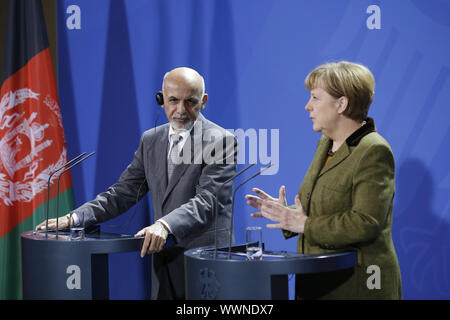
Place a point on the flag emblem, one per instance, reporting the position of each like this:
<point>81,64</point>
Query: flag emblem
<point>23,140</point>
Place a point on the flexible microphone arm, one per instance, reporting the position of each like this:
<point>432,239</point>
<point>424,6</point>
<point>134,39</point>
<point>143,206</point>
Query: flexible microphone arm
<point>232,204</point>
<point>57,188</point>
<point>48,187</point>
<point>216,212</point>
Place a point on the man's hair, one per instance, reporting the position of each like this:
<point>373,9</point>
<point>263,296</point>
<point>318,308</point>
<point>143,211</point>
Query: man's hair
<point>345,79</point>
<point>201,77</point>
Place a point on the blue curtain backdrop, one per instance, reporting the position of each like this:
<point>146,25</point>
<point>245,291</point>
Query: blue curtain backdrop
<point>254,55</point>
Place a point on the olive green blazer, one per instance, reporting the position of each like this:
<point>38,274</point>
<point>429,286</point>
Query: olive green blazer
<point>349,203</point>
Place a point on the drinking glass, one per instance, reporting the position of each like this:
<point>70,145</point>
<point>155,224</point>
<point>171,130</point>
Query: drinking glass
<point>253,237</point>
<point>77,231</point>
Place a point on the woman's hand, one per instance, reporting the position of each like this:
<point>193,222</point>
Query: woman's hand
<point>277,211</point>
<point>256,202</point>
<point>287,218</point>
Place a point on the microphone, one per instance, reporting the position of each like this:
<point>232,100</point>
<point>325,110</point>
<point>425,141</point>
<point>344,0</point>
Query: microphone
<point>232,204</point>
<point>48,187</point>
<point>216,213</point>
<point>57,187</point>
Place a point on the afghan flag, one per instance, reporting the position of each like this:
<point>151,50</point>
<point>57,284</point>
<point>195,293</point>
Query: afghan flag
<point>32,143</point>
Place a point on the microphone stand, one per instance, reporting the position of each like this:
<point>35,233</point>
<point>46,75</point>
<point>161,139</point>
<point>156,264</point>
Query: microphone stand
<point>216,211</point>
<point>48,188</point>
<point>232,205</point>
<point>57,189</point>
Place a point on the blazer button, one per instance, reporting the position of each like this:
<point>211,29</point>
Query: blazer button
<point>308,195</point>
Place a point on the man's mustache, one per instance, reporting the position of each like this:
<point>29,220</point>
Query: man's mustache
<point>181,116</point>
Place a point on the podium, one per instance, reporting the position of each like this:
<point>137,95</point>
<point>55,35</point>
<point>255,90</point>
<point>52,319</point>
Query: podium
<point>209,277</point>
<point>60,268</point>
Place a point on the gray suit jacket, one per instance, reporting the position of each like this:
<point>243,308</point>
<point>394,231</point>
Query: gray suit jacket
<point>187,203</point>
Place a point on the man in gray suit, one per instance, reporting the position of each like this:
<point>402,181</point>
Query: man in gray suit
<point>183,164</point>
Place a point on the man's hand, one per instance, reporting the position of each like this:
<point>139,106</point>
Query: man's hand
<point>155,238</point>
<point>63,222</point>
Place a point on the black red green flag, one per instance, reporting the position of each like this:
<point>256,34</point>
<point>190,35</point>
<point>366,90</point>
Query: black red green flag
<point>32,140</point>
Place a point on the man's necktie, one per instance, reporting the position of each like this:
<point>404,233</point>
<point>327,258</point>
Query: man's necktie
<point>173,155</point>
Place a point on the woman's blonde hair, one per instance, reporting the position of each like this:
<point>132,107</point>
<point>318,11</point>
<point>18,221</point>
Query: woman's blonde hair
<point>345,79</point>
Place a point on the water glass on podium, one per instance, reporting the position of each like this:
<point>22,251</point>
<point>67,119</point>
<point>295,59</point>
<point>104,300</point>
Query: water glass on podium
<point>77,231</point>
<point>253,243</point>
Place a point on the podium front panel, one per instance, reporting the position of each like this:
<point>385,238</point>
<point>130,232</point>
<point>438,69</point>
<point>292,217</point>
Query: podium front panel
<point>231,276</point>
<point>60,268</point>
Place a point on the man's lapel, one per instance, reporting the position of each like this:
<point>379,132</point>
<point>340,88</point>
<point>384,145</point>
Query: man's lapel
<point>160,160</point>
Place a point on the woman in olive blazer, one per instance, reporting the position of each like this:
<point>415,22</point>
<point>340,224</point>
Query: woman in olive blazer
<point>346,199</point>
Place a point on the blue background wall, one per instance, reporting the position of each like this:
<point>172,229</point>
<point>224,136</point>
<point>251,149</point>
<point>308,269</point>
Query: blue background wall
<point>254,55</point>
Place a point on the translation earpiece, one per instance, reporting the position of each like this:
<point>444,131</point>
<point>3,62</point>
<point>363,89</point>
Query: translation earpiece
<point>159,98</point>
